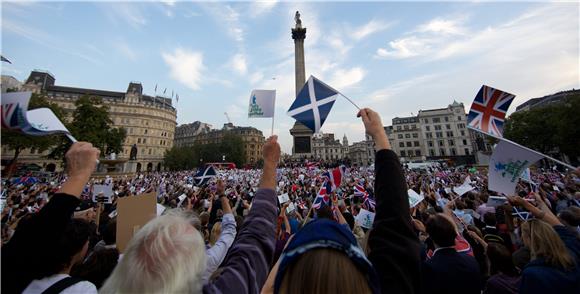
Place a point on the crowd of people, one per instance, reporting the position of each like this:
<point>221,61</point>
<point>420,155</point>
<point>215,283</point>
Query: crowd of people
<point>234,235</point>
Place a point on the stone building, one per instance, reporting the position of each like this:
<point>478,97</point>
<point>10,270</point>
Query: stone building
<point>148,120</point>
<point>252,137</point>
<point>185,134</point>
<point>325,147</point>
<point>362,153</point>
<point>433,134</point>
<point>9,82</point>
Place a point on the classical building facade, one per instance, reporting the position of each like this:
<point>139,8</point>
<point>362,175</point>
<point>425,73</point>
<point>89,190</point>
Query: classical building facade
<point>10,83</point>
<point>325,147</point>
<point>185,134</point>
<point>362,153</point>
<point>433,134</point>
<point>252,137</point>
<point>148,120</point>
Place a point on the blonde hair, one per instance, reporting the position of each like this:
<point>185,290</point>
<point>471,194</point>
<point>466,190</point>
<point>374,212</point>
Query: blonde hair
<point>545,243</point>
<point>321,271</point>
<point>167,255</point>
<point>215,233</point>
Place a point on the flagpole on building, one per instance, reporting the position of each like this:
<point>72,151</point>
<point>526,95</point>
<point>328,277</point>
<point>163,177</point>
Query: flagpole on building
<point>524,147</point>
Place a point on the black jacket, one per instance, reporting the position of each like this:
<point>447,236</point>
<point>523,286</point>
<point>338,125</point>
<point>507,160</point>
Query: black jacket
<point>449,271</point>
<point>34,242</point>
<point>394,246</point>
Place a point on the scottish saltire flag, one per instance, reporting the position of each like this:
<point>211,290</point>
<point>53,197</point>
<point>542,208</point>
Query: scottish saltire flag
<point>2,58</point>
<point>488,110</point>
<point>204,175</point>
<point>313,104</point>
<point>334,177</point>
<point>262,103</point>
<point>321,197</point>
<point>506,165</point>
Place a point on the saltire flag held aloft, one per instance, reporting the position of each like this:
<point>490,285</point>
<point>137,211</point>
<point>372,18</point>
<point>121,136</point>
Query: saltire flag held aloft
<point>36,122</point>
<point>506,165</point>
<point>313,104</point>
<point>262,103</point>
<point>321,197</point>
<point>488,110</point>
<point>204,175</point>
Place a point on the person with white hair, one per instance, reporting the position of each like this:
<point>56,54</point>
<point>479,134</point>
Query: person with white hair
<point>168,254</point>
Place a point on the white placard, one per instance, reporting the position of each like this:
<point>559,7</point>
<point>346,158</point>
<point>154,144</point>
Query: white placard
<point>290,207</point>
<point>414,198</point>
<point>365,218</point>
<point>107,193</point>
<point>284,198</point>
<point>463,189</point>
<point>495,201</point>
<point>160,209</point>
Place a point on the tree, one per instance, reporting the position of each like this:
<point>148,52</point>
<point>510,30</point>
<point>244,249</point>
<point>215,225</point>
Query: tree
<point>548,129</point>
<point>18,142</point>
<point>232,146</point>
<point>180,158</point>
<point>91,123</point>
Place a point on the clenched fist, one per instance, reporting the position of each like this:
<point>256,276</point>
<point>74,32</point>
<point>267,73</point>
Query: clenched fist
<point>271,150</point>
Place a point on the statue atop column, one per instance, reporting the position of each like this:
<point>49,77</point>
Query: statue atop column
<point>298,20</point>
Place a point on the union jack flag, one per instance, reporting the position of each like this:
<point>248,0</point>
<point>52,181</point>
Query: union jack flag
<point>360,191</point>
<point>321,198</point>
<point>488,110</point>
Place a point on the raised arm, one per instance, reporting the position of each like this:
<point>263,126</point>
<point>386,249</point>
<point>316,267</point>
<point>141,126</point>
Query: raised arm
<point>394,246</point>
<point>248,262</point>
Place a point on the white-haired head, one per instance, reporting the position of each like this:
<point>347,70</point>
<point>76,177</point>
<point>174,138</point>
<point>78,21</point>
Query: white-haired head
<point>167,255</point>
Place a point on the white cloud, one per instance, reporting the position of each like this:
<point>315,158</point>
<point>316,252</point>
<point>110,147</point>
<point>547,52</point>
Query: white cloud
<point>126,50</point>
<point>443,26</point>
<point>185,66</point>
<point>239,64</point>
<point>345,78</point>
<point>258,8</point>
<point>406,47</point>
<point>228,17</point>
<point>169,2</point>
<point>131,13</point>
<point>369,28</point>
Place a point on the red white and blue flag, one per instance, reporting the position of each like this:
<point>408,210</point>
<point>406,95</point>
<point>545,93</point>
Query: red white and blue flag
<point>321,197</point>
<point>360,191</point>
<point>334,177</point>
<point>488,110</point>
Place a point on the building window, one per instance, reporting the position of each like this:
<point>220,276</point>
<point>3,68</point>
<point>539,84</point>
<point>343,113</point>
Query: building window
<point>440,143</point>
<point>459,117</point>
<point>428,128</point>
<point>430,143</point>
<point>438,128</point>
<point>436,120</point>
<point>398,128</point>
<point>144,140</point>
<point>448,126</point>
<point>138,140</point>
<point>431,152</point>
<point>400,136</point>
<point>426,120</point>
<point>439,134</point>
<point>405,127</point>
<point>462,133</point>
<point>417,152</point>
<point>402,153</point>
<point>149,151</point>
<point>409,144</point>
<point>415,135</point>
<point>429,135</point>
<point>451,143</point>
<point>466,151</point>
<point>464,142</point>
<point>442,152</point>
<point>416,143</point>
<point>461,126</point>
<point>453,151</point>
<point>449,134</point>
<point>145,131</point>
<point>407,136</point>
<point>401,144</point>
<point>446,119</point>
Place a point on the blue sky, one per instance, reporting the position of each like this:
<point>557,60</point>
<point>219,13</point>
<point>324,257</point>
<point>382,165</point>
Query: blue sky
<point>396,57</point>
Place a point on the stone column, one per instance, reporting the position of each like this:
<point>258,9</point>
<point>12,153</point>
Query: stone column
<point>302,135</point>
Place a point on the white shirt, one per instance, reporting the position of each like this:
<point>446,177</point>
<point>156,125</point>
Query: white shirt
<point>38,286</point>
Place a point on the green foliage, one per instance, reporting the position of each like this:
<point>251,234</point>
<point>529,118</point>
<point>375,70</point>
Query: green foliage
<point>185,158</point>
<point>547,128</point>
<point>92,123</point>
<point>18,142</point>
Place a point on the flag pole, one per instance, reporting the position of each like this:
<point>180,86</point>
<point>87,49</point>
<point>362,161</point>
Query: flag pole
<point>336,92</point>
<point>524,147</point>
<point>349,100</point>
<point>273,114</point>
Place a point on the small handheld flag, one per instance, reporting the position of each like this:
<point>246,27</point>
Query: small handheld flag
<point>262,103</point>
<point>204,175</point>
<point>506,165</point>
<point>321,197</point>
<point>313,104</point>
<point>488,110</point>
<point>4,59</point>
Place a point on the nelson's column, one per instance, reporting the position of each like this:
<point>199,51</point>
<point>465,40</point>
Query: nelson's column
<point>302,143</point>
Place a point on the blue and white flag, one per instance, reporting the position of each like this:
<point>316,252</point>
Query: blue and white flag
<point>507,164</point>
<point>204,175</point>
<point>313,104</point>
<point>262,103</point>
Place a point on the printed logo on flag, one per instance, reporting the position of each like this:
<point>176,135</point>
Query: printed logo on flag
<point>255,110</point>
<point>262,103</point>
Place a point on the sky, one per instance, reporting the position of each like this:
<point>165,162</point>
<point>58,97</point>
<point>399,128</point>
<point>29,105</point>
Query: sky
<point>394,57</point>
